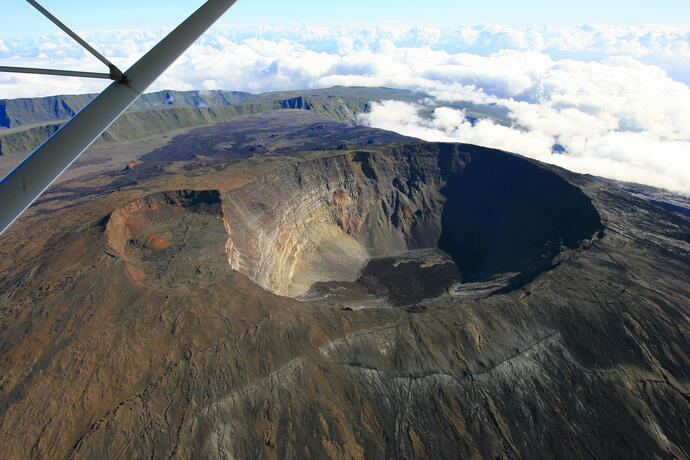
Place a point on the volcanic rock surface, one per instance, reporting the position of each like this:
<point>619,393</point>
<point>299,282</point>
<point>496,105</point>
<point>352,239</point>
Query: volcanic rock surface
<point>171,239</point>
<point>453,301</point>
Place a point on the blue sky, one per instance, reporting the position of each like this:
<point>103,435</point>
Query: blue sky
<point>19,19</point>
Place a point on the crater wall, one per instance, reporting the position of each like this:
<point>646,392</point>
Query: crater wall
<point>323,219</point>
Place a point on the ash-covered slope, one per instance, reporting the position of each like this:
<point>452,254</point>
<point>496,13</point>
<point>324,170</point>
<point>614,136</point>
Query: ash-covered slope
<point>132,336</point>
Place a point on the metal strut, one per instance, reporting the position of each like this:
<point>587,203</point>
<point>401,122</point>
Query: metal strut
<point>114,74</point>
<point>34,175</point>
<point>61,73</point>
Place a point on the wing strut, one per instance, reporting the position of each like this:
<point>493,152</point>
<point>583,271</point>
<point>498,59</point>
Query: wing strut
<point>34,175</point>
<point>114,74</point>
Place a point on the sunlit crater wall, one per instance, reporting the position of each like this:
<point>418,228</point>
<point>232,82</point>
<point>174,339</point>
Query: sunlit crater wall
<point>322,219</point>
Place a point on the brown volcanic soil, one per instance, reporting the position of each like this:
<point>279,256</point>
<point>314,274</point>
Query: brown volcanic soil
<point>124,330</point>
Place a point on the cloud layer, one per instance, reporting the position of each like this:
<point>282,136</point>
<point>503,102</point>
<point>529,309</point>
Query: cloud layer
<point>615,100</point>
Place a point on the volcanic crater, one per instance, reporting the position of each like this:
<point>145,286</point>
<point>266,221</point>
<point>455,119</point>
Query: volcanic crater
<point>144,332</point>
<point>388,226</point>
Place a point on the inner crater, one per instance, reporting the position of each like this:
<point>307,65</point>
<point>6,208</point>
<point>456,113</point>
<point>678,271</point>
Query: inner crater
<point>399,224</point>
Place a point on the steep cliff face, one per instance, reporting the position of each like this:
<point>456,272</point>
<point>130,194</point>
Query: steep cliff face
<point>28,111</point>
<point>323,219</point>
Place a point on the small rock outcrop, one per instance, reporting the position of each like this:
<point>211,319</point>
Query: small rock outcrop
<point>171,239</point>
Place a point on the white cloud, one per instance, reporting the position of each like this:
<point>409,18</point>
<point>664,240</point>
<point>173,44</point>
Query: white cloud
<point>615,97</point>
<point>634,157</point>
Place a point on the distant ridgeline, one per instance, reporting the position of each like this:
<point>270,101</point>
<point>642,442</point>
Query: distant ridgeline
<point>26,123</point>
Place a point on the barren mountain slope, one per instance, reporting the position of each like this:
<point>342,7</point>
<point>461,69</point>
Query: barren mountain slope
<point>145,312</point>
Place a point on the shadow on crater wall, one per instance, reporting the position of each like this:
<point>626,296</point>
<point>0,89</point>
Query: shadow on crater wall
<point>504,214</point>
